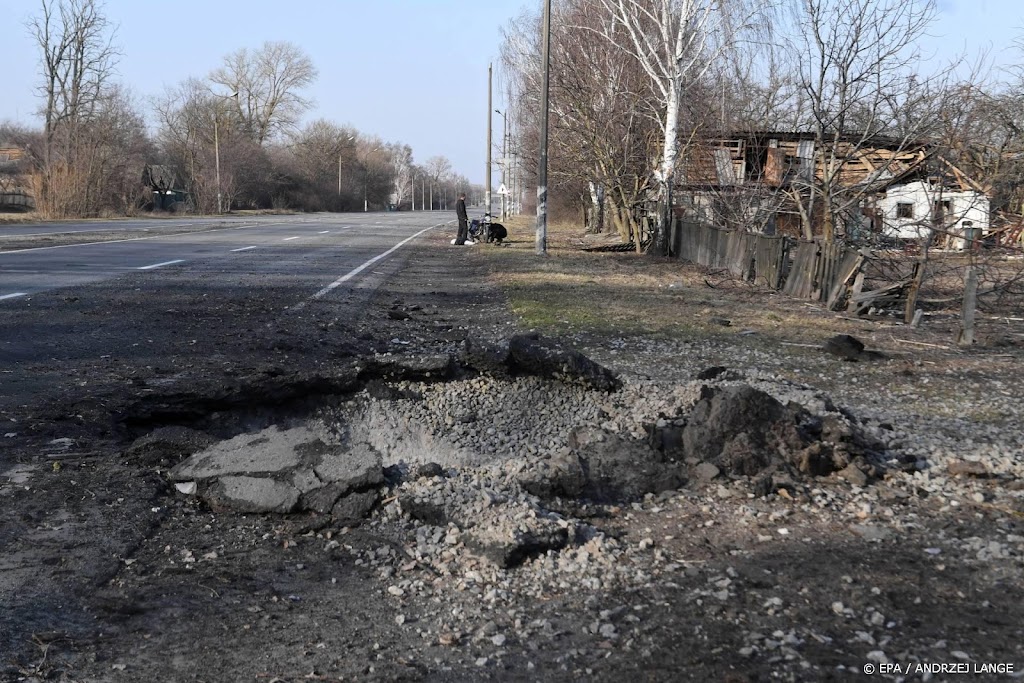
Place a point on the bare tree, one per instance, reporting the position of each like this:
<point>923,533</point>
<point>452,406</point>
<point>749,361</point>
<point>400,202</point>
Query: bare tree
<point>378,172</point>
<point>859,71</point>
<point>194,127</point>
<point>329,166</point>
<point>675,42</point>
<point>606,102</point>
<point>112,150</point>
<point>184,116</point>
<point>600,117</point>
<point>75,40</point>
<point>438,168</point>
<point>268,82</point>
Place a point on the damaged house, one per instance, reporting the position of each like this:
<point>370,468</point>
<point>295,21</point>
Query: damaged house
<point>881,190</point>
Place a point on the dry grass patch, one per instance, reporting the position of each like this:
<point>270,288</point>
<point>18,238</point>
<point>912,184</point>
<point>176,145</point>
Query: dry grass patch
<point>19,218</point>
<point>623,293</point>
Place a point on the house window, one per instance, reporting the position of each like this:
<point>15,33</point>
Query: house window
<point>941,209</point>
<point>904,210</point>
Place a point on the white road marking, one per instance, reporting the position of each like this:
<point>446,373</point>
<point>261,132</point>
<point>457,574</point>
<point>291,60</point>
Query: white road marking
<point>352,273</point>
<point>11,296</point>
<point>289,239</point>
<point>245,248</point>
<point>138,239</point>
<point>323,232</point>
<point>158,265</point>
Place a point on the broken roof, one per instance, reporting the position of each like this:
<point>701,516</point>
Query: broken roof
<point>782,158</point>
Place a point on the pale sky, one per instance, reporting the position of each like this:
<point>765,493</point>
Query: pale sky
<point>411,71</point>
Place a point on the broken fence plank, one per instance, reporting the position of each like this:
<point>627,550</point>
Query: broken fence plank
<point>917,343</point>
<point>850,267</point>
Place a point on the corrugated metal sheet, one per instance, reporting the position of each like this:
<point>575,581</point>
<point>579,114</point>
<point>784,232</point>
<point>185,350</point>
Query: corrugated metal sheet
<point>805,152</point>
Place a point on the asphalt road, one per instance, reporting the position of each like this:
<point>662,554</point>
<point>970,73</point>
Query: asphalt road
<point>141,225</point>
<point>314,252</point>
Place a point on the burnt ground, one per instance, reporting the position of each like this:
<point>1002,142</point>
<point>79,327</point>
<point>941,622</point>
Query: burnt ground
<point>107,574</point>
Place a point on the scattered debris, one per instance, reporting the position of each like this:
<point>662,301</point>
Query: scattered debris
<point>967,468</point>
<point>285,471</point>
<point>532,354</point>
<point>850,348</point>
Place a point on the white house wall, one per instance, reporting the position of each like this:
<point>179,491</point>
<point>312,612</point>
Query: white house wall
<point>965,208</point>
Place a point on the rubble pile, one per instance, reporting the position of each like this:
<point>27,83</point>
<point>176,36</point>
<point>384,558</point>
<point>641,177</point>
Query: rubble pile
<point>488,457</point>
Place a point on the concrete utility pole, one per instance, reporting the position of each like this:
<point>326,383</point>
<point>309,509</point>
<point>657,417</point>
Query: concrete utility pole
<point>350,138</point>
<point>517,200</point>
<point>216,157</point>
<point>216,147</point>
<point>366,173</point>
<point>542,171</point>
<point>487,178</point>
<point>504,164</point>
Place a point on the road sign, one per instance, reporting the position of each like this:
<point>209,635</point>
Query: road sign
<point>503,189</point>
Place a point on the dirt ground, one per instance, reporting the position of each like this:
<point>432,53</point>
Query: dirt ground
<point>108,574</point>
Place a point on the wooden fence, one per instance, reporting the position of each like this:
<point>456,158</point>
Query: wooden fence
<point>803,270</point>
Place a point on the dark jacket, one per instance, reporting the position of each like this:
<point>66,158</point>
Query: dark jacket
<point>460,210</point>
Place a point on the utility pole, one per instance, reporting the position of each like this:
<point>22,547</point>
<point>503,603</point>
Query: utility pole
<point>216,157</point>
<point>487,178</point>
<point>216,145</point>
<point>366,174</point>
<point>350,138</point>
<point>542,171</point>
<point>511,187</point>
<point>504,163</point>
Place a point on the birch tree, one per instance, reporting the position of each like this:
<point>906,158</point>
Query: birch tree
<point>401,160</point>
<point>675,42</point>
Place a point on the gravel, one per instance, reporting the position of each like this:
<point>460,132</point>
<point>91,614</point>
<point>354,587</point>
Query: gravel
<point>478,435</point>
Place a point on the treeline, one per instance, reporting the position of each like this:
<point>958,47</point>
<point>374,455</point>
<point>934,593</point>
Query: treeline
<point>229,140</point>
<point>635,85</point>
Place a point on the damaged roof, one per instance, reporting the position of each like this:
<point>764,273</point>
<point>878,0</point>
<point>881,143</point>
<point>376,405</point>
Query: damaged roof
<point>783,158</point>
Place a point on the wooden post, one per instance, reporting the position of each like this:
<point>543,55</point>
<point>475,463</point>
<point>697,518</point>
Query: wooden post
<point>915,285</point>
<point>966,336</point>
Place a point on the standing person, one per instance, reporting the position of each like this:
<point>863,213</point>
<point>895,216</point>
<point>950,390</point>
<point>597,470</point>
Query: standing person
<point>460,212</point>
